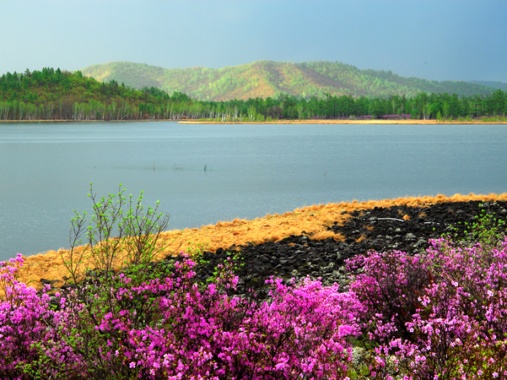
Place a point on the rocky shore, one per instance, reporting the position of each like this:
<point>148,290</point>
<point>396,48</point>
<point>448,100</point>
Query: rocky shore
<point>311,241</point>
<point>405,228</point>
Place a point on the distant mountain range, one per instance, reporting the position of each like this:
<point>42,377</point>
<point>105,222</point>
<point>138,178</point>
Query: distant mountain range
<point>270,79</point>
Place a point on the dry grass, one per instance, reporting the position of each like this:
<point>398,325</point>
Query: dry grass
<point>311,220</point>
<point>333,121</point>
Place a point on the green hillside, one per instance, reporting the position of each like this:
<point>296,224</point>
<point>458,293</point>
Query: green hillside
<point>270,79</point>
<point>52,94</point>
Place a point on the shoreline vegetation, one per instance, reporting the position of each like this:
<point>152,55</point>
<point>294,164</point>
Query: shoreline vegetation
<point>313,221</point>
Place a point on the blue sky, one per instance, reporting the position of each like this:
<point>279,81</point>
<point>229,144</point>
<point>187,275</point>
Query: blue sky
<point>432,39</point>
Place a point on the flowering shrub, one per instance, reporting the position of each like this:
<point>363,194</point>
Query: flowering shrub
<point>437,315</point>
<point>175,328</point>
<point>31,332</point>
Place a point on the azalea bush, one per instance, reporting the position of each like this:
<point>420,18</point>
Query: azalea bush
<point>442,314</point>
<point>176,328</point>
<point>33,334</point>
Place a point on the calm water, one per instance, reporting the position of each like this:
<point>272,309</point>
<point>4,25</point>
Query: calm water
<point>206,173</point>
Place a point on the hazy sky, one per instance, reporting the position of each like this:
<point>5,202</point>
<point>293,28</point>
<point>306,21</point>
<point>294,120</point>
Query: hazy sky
<point>433,39</point>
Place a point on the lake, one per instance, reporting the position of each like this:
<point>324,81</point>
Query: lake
<point>203,174</point>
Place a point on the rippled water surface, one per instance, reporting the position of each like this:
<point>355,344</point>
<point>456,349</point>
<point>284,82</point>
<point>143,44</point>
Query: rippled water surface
<point>206,173</point>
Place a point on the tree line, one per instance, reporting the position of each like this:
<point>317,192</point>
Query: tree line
<point>52,94</point>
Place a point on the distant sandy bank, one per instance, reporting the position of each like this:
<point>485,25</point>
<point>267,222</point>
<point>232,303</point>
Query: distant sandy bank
<point>370,122</point>
<point>310,220</point>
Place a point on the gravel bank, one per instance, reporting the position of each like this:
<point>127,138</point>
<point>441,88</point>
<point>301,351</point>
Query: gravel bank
<point>406,228</point>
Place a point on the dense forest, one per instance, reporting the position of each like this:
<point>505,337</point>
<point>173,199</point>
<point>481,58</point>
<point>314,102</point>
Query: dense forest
<point>52,94</point>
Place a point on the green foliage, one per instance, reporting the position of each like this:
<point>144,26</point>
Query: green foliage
<point>121,231</point>
<point>485,228</point>
<point>56,94</point>
<point>205,263</point>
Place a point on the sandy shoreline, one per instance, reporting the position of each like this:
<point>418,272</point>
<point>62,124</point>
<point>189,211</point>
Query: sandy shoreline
<point>334,121</point>
<point>311,220</point>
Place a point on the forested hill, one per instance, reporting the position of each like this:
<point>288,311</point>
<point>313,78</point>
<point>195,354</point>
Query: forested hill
<point>270,79</point>
<point>52,94</point>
